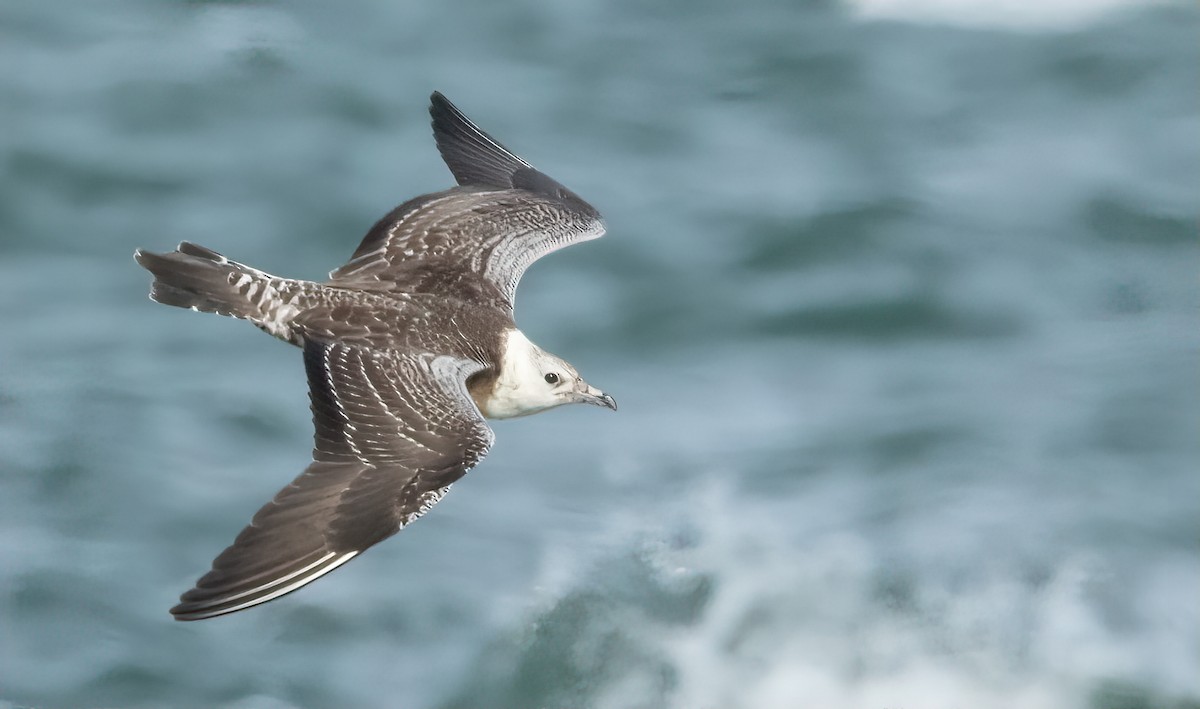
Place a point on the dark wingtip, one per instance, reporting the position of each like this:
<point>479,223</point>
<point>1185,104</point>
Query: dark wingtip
<point>442,109</point>
<point>181,612</point>
<point>193,606</point>
<point>188,610</point>
<point>148,260</point>
<point>476,158</point>
<point>473,156</point>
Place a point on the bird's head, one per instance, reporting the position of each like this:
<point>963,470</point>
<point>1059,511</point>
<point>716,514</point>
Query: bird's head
<point>532,380</point>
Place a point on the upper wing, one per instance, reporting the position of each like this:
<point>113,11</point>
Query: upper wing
<point>393,431</point>
<point>504,216</point>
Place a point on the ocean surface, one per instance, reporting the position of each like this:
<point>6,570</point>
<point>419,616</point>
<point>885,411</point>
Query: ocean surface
<point>899,300</point>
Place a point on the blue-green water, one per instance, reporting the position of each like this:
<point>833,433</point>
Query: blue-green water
<point>899,301</point>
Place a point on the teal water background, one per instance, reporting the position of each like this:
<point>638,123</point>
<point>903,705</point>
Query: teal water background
<point>899,301</point>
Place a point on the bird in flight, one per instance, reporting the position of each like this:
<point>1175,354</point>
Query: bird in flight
<point>408,348</point>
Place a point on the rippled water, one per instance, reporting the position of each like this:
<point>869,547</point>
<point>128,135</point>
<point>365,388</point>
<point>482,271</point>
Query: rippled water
<point>899,300</point>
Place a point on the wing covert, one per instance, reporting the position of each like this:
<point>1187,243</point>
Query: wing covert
<point>504,215</point>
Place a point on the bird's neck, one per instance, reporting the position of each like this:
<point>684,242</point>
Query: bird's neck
<point>517,387</point>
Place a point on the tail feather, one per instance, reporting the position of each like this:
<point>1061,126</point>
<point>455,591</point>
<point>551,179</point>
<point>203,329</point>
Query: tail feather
<point>202,279</point>
<point>198,278</point>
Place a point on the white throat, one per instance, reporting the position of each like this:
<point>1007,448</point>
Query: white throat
<point>520,388</point>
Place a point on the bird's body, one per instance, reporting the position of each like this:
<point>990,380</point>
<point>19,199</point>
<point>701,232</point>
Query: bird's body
<point>407,348</point>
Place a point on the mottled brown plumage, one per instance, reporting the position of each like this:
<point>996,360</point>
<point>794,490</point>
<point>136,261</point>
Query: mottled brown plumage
<point>404,346</point>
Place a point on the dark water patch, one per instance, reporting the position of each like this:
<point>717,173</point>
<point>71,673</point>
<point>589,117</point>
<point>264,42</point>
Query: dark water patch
<point>913,446</point>
<point>314,625</point>
<point>1124,694</point>
<point>895,589</point>
<point>43,591</point>
<point>655,319</point>
<point>911,317</point>
<point>308,624</point>
<point>784,470</point>
<point>1126,298</point>
<point>88,183</point>
<point>259,425</point>
<point>749,628</point>
<point>1116,219</point>
<point>822,67</point>
<point>262,62</point>
<point>663,314</point>
<point>566,658</point>
<point>353,108</point>
<point>147,108</point>
<point>590,640</point>
<point>1099,72</point>
<point>652,137</point>
<point>1138,422</point>
<point>131,682</point>
<point>832,236</point>
<point>801,51</point>
<point>1125,53</point>
<point>62,480</point>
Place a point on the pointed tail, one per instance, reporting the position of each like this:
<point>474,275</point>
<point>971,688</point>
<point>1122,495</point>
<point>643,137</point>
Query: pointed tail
<point>201,279</point>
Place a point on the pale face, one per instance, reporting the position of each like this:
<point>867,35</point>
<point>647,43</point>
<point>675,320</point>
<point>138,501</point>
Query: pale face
<point>533,380</point>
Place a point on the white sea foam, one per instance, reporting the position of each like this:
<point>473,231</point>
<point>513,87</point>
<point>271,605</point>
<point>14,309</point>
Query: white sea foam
<point>1022,14</point>
<point>800,611</point>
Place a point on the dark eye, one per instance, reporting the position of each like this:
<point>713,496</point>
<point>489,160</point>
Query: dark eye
<point>551,378</point>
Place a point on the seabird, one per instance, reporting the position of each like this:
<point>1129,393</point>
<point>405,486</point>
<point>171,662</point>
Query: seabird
<point>408,348</point>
